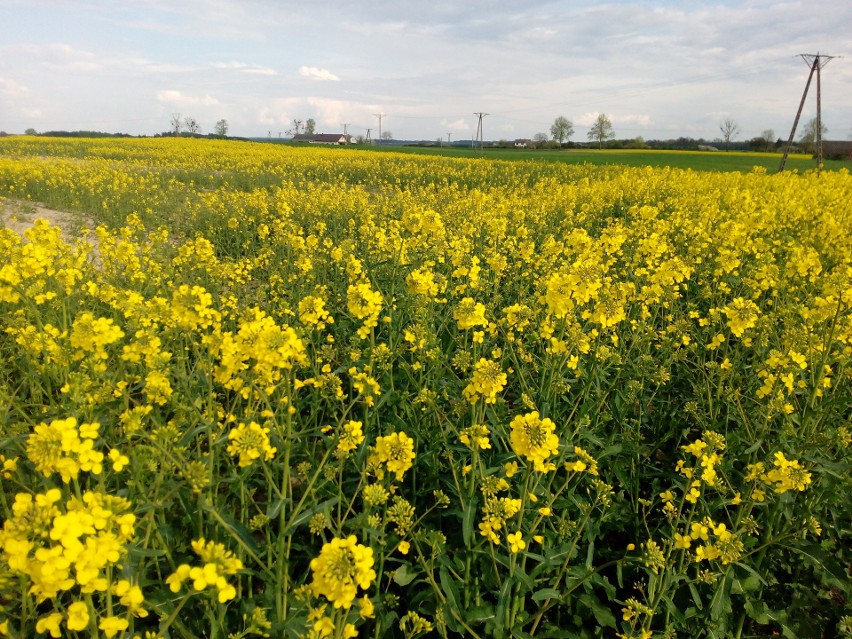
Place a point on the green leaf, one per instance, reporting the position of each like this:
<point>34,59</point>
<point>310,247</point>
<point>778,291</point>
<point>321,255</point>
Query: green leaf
<point>545,593</point>
<point>603,615</point>
<point>403,575</point>
<point>467,522</point>
<point>695,596</point>
<point>449,588</point>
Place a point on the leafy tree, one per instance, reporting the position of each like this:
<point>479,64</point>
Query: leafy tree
<point>387,135</point>
<point>221,128</point>
<point>729,129</point>
<point>539,139</point>
<point>310,126</point>
<point>601,130</point>
<point>562,129</point>
<point>30,131</point>
<point>808,139</point>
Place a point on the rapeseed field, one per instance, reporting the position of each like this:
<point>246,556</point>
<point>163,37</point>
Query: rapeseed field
<point>293,392</point>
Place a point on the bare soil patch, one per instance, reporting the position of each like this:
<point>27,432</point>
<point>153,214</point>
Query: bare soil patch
<point>19,215</point>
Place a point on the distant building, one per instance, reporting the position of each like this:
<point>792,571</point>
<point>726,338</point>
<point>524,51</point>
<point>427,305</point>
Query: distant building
<point>523,143</point>
<point>323,138</point>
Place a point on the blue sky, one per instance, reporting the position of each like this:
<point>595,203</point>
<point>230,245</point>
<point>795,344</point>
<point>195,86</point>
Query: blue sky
<point>657,69</point>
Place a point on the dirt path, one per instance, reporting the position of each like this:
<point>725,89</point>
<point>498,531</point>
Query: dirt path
<point>19,215</point>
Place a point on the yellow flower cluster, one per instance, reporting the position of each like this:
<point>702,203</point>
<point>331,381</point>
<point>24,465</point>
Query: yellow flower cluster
<point>64,447</point>
<point>71,549</point>
<point>535,439</point>
<point>488,379</point>
<point>217,563</point>
<point>250,442</point>
<point>342,567</point>
<point>365,304</point>
<point>395,452</point>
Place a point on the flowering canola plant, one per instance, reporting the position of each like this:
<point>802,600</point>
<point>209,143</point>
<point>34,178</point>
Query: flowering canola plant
<point>270,391</point>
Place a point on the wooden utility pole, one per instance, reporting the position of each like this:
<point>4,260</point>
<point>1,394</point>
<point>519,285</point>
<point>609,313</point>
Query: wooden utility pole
<point>479,131</point>
<point>816,63</point>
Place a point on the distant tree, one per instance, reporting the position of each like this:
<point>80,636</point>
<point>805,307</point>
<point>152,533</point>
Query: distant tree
<point>310,126</point>
<point>175,124</point>
<point>296,128</point>
<point>221,128</point>
<point>601,130</point>
<point>30,132</point>
<point>539,139</point>
<point>638,143</point>
<point>729,129</point>
<point>191,125</point>
<point>387,135</point>
<point>562,129</point>
<point>808,139</point>
<point>768,136</point>
<point>360,139</point>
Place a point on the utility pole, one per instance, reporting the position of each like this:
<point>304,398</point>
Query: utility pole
<point>344,128</point>
<point>815,61</point>
<point>479,131</point>
<point>449,134</point>
<point>380,116</point>
<point>367,140</point>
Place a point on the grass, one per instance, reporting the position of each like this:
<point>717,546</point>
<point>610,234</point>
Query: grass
<point>695,160</point>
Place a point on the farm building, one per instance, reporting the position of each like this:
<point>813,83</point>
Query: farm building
<point>323,138</point>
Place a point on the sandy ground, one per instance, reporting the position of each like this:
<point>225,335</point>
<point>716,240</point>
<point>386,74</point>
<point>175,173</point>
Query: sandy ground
<point>19,215</point>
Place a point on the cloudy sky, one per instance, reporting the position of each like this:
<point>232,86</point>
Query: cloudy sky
<point>658,69</point>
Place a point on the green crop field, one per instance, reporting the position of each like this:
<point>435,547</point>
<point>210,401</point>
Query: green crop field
<point>696,160</point>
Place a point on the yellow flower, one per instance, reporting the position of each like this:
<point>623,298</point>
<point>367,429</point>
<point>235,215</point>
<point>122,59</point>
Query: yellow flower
<point>475,436</point>
<point>119,461</point>
<point>342,566</point>
<point>469,313</point>
<point>78,616</point>
<point>404,547</point>
<point>366,608</point>
<point>50,624</point>
<point>682,541</point>
<point>351,436</point>
<point>488,379</point>
<point>250,442</point>
<point>113,625</point>
<point>534,439</point>
<point>397,452</point>
<point>516,541</point>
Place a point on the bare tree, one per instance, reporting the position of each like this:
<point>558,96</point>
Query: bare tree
<point>296,128</point>
<point>768,136</point>
<point>387,135</point>
<point>601,130</point>
<point>221,128</point>
<point>191,125</point>
<point>175,124</point>
<point>729,129</point>
<point>562,129</point>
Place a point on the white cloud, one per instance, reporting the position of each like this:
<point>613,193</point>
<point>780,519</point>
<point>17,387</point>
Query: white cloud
<point>242,67</point>
<point>317,74</point>
<point>457,125</point>
<point>178,98</point>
